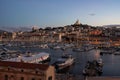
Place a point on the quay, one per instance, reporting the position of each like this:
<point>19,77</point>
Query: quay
<point>80,77</point>
<point>103,78</point>
<point>69,77</point>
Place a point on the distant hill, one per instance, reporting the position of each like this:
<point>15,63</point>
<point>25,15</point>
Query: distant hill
<point>114,25</point>
<point>12,29</point>
<point>1,31</point>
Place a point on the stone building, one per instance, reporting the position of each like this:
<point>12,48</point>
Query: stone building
<point>25,71</point>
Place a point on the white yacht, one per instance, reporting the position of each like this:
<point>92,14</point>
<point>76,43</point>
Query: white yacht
<point>64,61</point>
<point>78,50</point>
<point>56,47</point>
<point>31,58</point>
<point>117,53</point>
<point>100,62</point>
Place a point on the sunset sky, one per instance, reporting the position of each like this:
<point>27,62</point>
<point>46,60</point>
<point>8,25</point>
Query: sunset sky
<point>58,12</point>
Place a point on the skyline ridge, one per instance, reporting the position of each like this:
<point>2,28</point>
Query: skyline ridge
<point>29,28</point>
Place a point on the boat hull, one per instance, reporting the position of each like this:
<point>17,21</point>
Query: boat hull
<point>64,65</point>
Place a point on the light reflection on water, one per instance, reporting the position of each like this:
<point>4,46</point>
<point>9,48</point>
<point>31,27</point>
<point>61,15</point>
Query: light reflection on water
<point>111,62</point>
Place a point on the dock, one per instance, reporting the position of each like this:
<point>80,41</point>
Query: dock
<point>103,78</point>
<point>69,77</point>
<point>80,77</point>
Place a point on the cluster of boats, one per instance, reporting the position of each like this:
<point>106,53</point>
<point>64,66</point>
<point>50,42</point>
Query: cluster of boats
<point>82,49</point>
<point>93,68</point>
<point>115,51</point>
<point>64,61</point>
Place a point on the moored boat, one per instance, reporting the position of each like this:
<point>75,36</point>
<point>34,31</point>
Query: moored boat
<point>100,62</point>
<point>93,68</point>
<point>117,53</point>
<point>78,49</point>
<point>32,58</point>
<point>63,62</point>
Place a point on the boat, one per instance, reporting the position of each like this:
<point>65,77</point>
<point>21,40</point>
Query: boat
<point>63,62</point>
<point>40,57</point>
<point>10,51</point>
<point>56,47</point>
<point>100,62</point>
<point>83,48</point>
<point>93,68</point>
<point>117,53</point>
<point>78,49</point>
<point>43,46</point>
<point>107,51</point>
<point>88,47</point>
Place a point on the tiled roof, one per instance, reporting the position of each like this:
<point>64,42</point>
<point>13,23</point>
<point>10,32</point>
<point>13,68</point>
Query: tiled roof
<point>23,65</point>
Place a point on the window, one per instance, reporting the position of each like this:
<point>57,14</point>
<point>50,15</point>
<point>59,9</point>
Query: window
<point>50,78</point>
<point>33,79</point>
<point>12,77</point>
<point>8,69</point>
<point>22,70</point>
<point>6,77</point>
<point>36,72</point>
<point>22,78</point>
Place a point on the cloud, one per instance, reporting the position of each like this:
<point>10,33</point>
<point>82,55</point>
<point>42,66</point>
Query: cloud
<point>91,14</point>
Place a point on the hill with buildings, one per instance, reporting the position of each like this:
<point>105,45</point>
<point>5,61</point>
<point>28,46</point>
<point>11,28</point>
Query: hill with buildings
<point>14,29</point>
<point>2,31</point>
<point>111,26</point>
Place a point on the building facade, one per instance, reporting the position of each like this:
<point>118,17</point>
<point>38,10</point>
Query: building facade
<point>25,71</point>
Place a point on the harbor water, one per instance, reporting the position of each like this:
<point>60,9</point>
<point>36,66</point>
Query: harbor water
<point>111,62</point>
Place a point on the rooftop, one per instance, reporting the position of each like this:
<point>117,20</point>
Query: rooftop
<point>23,65</point>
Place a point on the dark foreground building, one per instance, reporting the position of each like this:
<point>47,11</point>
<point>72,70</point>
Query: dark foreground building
<point>25,71</point>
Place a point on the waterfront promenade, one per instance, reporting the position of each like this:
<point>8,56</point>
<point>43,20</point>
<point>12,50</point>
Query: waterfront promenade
<point>80,77</point>
<point>69,77</point>
<point>103,78</point>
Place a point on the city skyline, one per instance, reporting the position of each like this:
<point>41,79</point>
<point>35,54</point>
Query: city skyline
<point>58,13</point>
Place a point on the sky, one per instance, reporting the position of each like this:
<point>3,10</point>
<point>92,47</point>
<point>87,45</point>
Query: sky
<point>44,13</point>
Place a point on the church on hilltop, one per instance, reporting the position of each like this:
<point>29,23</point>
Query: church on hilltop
<point>77,23</point>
